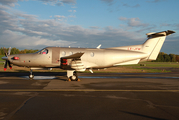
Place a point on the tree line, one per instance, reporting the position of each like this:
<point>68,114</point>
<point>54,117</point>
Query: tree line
<point>162,57</point>
<point>17,51</point>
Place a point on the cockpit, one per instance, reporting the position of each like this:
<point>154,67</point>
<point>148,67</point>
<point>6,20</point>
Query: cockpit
<point>43,51</point>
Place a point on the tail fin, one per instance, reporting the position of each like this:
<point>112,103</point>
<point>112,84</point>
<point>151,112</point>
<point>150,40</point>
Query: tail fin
<point>151,46</point>
<point>154,43</point>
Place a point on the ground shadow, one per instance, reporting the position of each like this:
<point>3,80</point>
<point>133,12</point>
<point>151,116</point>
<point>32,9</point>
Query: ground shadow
<point>141,115</point>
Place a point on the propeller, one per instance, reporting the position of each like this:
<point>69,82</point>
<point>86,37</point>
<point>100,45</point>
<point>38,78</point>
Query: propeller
<point>6,58</point>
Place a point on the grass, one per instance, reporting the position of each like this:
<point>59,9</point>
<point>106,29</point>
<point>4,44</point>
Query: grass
<point>1,57</point>
<point>139,69</point>
<point>156,64</point>
<point>153,70</point>
<point>162,64</point>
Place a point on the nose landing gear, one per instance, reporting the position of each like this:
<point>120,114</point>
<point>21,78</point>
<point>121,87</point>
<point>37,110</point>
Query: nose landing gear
<point>31,76</point>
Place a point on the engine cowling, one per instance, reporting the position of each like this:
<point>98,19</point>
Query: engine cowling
<point>77,65</point>
<point>74,64</point>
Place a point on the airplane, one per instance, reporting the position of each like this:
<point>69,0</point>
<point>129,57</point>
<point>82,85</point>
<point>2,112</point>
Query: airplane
<point>80,59</point>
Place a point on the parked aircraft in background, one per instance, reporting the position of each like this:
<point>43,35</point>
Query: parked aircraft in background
<point>80,59</point>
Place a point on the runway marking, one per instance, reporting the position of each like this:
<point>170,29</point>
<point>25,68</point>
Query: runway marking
<point>80,90</point>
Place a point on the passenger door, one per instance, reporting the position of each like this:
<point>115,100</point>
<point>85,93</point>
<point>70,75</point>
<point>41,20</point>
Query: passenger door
<point>56,55</point>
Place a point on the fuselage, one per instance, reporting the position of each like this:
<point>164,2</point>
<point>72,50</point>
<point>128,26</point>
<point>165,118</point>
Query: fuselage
<point>92,58</point>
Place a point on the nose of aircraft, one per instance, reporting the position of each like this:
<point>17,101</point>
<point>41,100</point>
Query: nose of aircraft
<point>5,58</point>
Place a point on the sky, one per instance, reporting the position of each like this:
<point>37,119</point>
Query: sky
<point>35,24</point>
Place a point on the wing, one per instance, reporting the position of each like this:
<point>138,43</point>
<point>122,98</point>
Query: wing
<point>75,63</point>
<point>74,56</point>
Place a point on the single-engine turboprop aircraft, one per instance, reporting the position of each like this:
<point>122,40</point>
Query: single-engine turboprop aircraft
<point>80,59</point>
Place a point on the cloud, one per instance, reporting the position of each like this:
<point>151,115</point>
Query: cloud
<point>165,24</point>
<point>51,2</point>
<point>59,2</point>
<point>22,41</point>
<point>169,26</point>
<point>134,6</point>
<point>59,17</point>
<point>68,1</point>
<point>133,22</point>
<point>123,18</point>
<point>94,27</point>
<point>72,11</point>
<point>72,16</point>
<point>155,1</point>
<point>109,2</point>
<point>27,31</point>
<point>9,2</point>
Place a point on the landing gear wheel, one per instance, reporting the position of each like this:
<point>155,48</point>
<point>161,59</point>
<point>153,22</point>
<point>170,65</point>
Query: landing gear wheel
<point>31,77</point>
<point>74,77</point>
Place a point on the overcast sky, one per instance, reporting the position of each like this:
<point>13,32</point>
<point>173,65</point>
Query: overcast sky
<point>34,24</point>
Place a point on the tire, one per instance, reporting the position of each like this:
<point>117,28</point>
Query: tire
<point>31,77</point>
<point>74,77</point>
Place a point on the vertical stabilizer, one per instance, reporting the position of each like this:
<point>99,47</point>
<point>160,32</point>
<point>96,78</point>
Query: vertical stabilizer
<point>154,43</point>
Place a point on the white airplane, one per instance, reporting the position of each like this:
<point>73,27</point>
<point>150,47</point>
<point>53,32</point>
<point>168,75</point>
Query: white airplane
<point>80,59</point>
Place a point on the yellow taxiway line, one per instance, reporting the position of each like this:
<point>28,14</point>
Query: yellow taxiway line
<point>80,90</point>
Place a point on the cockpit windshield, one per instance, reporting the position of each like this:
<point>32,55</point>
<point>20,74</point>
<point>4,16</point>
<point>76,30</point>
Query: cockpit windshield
<point>43,51</point>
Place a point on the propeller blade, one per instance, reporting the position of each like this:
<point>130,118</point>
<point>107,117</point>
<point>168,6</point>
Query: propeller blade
<point>5,65</point>
<point>10,66</point>
<point>6,58</point>
<point>9,51</point>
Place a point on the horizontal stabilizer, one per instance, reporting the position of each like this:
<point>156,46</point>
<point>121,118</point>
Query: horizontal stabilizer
<point>159,34</point>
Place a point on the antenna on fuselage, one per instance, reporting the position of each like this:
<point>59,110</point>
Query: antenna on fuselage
<point>98,46</point>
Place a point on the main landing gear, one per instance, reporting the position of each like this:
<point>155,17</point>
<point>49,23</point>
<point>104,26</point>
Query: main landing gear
<point>72,75</point>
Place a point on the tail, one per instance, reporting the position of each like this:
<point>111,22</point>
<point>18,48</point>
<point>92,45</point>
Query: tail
<point>153,44</point>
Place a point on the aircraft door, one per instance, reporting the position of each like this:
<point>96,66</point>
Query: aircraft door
<point>56,55</point>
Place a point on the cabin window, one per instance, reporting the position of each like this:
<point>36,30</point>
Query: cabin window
<point>70,53</point>
<point>63,53</point>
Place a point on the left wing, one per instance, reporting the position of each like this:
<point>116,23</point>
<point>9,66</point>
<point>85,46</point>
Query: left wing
<point>75,62</point>
<point>74,56</point>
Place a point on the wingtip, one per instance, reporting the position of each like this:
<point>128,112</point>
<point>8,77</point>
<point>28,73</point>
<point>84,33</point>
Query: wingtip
<point>169,32</point>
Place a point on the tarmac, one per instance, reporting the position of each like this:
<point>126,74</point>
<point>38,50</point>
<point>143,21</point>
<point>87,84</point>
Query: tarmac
<point>107,96</point>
